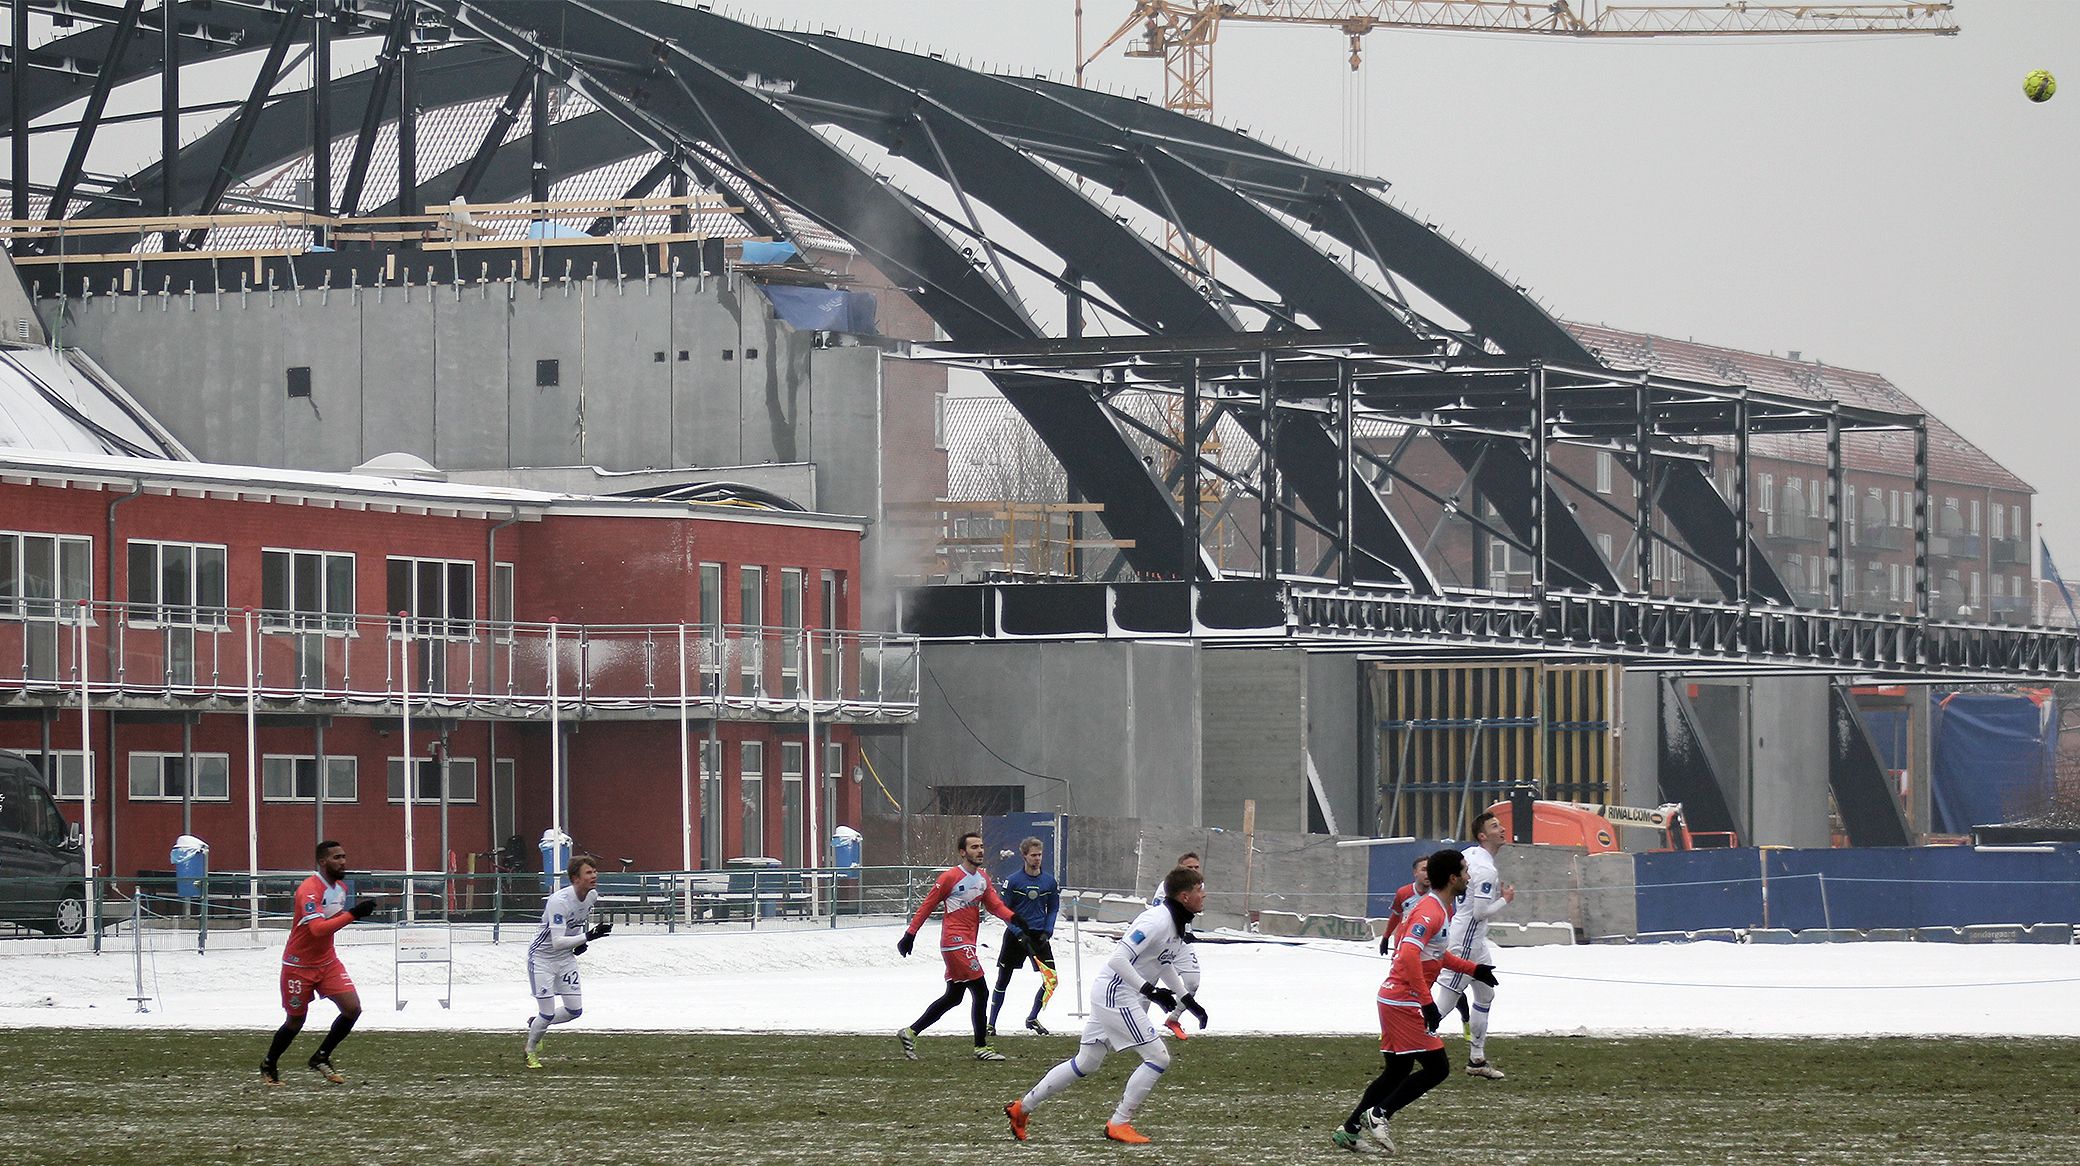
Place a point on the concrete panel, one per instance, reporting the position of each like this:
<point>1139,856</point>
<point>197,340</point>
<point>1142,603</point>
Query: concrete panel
<point>1610,898</point>
<point>706,402</point>
<point>625,379</point>
<point>1163,717</point>
<point>325,336</point>
<point>1253,737</point>
<point>397,385</point>
<point>470,375</point>
<point>545,418</point>
<point>1788,758</point>
<point>1335,738</point>
<point>1639,730</point>
<point>772,379</point>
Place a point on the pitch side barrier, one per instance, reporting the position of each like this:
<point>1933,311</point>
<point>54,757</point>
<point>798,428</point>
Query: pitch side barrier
<point>1857,889</point>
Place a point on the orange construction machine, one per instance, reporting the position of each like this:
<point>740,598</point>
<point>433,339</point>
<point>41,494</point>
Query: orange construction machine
<point>1595,828</point>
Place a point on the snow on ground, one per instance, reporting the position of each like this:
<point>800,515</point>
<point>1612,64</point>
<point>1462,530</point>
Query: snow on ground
<point>850,980</point>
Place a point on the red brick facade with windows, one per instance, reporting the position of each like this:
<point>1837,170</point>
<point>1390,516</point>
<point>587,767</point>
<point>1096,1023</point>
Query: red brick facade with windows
<point>617,575</point>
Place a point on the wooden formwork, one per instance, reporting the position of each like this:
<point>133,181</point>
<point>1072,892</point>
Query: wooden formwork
<point>1455,738</point>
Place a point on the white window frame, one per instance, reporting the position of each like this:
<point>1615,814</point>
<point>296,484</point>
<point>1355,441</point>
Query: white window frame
<point>502,597</point>
<point>323,618</point>
<point>199,795</point>
<point>63,599</point>
<point>444,626</point>
<point>1603,471</point>
<point>69,784</point>
<point>334,764</point>
<point>751,771</point>
<point>155,611</point>
<point>393,773</point>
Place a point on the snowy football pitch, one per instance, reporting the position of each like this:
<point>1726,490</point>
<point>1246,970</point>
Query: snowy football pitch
<point>175,1096</point>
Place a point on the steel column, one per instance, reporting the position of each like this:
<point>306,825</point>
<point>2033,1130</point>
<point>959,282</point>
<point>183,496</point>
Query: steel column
<point>1743,545</point>
<point>538,137</point>
<point>321,114</point>
<point>1836,588</point>
<point>1267,472</point>
<point>408,127</point>
<point>494,137</point>
<point>1190,484</point>
<point>1540,456</point>
<point>1346,402</point>
<point>169,114</point>
<point>1643,476</point>
<point>1921,517</point>
<point>394,41</point>
<point>1072,285</point>
<point>682,222</point>
<point>242,128</point>
<point>18,92</point>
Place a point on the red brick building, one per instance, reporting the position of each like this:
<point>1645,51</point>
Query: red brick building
<point>380,610</point>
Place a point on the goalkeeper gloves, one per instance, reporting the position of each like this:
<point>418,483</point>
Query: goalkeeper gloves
<point>1160,995</point>
<point>363,909</point>
<point>600,931</point>
<point>1190,1003</point>
<point>1431,1017</point>
<point>905,944</point>
<point>1485,973</point>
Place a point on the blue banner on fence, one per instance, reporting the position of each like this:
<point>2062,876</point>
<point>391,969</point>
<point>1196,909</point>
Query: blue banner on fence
<point>1856,888</point>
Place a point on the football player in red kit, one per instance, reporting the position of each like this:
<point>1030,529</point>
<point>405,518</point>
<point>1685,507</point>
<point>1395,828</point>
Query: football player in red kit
<point>964,889</point>
<point>310,967</point>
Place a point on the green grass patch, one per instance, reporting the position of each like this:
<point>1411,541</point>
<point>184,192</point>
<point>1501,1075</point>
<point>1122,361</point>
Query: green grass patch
<point>195,1098</point>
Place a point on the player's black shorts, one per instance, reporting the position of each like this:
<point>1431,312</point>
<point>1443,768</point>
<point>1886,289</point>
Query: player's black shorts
<point>1013,953</point>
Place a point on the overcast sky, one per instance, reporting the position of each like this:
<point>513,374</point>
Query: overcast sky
<point>1884,203</point>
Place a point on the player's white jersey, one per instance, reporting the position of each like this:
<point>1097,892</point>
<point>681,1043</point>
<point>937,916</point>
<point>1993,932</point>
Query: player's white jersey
<point>565,918</point>
<point>1483,883</point>
<point>1150,948</point>
<point>1159,898</point>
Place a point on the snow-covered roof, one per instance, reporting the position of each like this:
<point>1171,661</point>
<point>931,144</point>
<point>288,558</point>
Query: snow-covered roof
<point>55,402</point>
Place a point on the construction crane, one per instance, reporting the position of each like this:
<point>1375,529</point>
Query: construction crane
<point>1181,33</point>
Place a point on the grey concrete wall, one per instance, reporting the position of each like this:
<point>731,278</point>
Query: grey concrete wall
<point>1639,740</point>
<point>1336,733</point>
<point>1119,721</point>
<point>1788,754</point>
<point>449,373</point>
<point>1254,737</point>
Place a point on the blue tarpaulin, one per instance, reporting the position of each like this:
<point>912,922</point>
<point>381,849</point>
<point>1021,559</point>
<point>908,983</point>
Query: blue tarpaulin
<point>770,253</point>
<point>822,309</point>
<point>1992,757</point>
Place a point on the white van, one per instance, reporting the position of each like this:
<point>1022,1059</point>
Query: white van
<point>41,859</point>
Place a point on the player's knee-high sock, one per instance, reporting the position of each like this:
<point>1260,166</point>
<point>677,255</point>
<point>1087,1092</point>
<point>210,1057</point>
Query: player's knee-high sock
<point>939,1007</point>
<point>978,1011</point>
<point>1155,1059</point>
<point>341,1026</point>
<point>996,995</point>
<point>1431,1067</point>
<point>1396,1068</point>
<point>1069,1072</point>
<point>1483,1000</point>
<point>282,1037</point>
<point>1039,998</point>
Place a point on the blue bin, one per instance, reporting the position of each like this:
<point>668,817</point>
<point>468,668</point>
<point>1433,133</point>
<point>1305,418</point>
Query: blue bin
<point>845,852</point>
<point>190,859</point>
<point>556,855</point>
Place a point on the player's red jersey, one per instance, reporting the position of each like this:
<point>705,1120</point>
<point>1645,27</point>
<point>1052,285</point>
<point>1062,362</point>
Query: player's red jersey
<point>963,891</point>
<point>1403,899</point>
<point>1419,953</point>
<point>320,909</point>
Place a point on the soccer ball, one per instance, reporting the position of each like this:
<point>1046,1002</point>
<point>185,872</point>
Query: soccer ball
<point>2039,85</point>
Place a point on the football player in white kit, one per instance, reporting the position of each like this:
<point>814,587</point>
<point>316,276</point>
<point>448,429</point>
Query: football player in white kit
<point>1145,967</point>
<point>552,959</point>
<point>1189,860</point>
<point>1485,897</point>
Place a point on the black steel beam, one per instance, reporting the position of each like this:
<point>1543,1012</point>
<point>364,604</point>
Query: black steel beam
<point>465,187</point>
<point>387,63</point>
<point>243,124</point>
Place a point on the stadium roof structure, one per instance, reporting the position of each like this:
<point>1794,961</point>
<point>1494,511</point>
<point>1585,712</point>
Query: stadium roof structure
<point>1067,242</point>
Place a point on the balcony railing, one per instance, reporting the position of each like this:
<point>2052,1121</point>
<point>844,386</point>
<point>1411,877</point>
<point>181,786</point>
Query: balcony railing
<point>515,669</point>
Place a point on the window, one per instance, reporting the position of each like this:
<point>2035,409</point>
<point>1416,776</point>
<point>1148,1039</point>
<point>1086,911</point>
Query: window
<point>1816,499</point>
<point>40,574</point>
<point>792,759</point>
<point>179,584</point>
<point>1974,527</point>
<point>751,772</point>
<point>1603,546</point>
<point>1892,587</point>
<point>1603,471</point>
<point>502,602</point>
<point>462,779</point>
<point>1976,587</point>
<point>439,594</point>
<point>158,777</point>
<point>1765,500</point>
<point>711,804</point>
<point>751,596</point>
<point>1895,509</point>
<point>295,779</point>
<point>939,421</point>
<point>71,783</point>
<point>791,597</point>
<point>2000,520</point>
<point>710,614</point>
<point>307,590</point>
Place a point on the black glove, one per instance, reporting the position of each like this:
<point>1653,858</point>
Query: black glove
<point>1014,931</point>
<point>1485,973</point>
<point>1160,995</point>
<point>363,909</point>
<point>1190,1003</point>
<point>906,943</point>
<point>580,949</point>
<point>600,931</point>
<point>1386,944</point>
<point>1431,1017</point>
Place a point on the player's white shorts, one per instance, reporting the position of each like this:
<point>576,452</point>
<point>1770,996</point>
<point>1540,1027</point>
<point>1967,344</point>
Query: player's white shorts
<point>1119,1027</point>
<point>1469,943</point>
<point>550,975</point>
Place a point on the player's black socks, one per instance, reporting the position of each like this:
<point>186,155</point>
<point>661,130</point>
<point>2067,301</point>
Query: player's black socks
<point>341,1026</point>
<point>1432,1067</point>
<point>1397,1067</point>
<point>282,1038</point>
<point>978,1010</point>
<point>940,1007</point>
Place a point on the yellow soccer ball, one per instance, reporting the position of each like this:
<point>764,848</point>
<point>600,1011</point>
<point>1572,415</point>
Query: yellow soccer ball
<point>2039,85</point>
